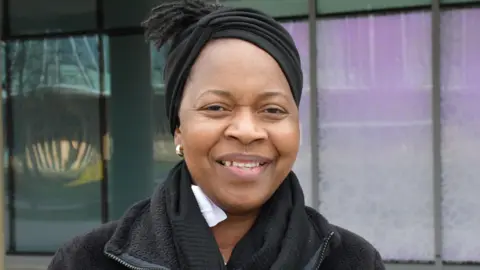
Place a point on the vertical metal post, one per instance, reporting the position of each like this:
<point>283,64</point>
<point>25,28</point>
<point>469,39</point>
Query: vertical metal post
<point>2,150</point>
<point>8,142</point>
<point>437,130</point>
<point>2,162</point>
<point>314,128</point>
<point>102,108</point>
<point>2,179</point>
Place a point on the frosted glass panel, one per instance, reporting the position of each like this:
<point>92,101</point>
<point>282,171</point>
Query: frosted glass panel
<point>374,78</point>
<point>461,134</point>
<point>302,166</point>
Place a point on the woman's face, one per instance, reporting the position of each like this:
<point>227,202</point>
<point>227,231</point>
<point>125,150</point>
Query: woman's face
<point>239,125</point>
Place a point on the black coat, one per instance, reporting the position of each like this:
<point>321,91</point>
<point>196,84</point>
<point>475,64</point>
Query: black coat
<point>130,243</point>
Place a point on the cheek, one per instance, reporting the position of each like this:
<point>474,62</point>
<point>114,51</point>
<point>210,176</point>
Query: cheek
<point>199,138</point>
<point>286,139</point>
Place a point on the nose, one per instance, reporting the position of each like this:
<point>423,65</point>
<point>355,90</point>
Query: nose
<point>245,128</point>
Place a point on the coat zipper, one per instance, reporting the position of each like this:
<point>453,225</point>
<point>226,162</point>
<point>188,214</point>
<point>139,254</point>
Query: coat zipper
<point>124,263</point>
<point>129,266</point>
<point>324,250</point>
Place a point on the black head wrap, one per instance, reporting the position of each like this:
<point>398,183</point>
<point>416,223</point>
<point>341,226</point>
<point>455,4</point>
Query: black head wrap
<point>192,24</point>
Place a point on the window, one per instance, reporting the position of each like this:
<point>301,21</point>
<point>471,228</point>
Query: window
<point>36,17</point>
<point>158,61</point>
<point>460,134</point>
<point>131,14</point>
<point>56,148</point>
<point>457,1</point>
<point>164,154</point>
<point>374,81</point>
<point>346,6</point>
<point>6,220</point>
<point>276,8</point>
<point>125,13</point>
<point>342,6</point>
<point>302,167</point>
<point>130,119</point>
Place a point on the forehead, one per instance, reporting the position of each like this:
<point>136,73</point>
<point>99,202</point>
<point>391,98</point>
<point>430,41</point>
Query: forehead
<point>237,65</point>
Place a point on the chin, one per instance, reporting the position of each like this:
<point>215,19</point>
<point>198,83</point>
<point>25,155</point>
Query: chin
<point>242,206</point>
<point>242,210</point>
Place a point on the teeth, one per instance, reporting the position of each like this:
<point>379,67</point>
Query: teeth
<point>241,165</point>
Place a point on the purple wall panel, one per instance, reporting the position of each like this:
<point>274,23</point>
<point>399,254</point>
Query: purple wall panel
<point>375,130</point>
<point>461,134</point>
<point>299,32</point>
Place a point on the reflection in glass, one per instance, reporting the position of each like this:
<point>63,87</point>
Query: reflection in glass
<point>158,60</point>
<point>374,79</point>
<point>54,94</point>
<point>130,117</point>
<point>460,134</point>
<point>163,145</point>
<point>5,151</point>
<point>125,13</point>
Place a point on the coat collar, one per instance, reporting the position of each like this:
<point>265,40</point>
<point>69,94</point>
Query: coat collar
<point>142,239</point>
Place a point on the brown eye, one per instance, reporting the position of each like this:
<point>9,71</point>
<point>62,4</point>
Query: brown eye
<point>274,110</point>
<point>215,108</point>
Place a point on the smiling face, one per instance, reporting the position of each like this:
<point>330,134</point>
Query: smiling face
<point>239,125</point>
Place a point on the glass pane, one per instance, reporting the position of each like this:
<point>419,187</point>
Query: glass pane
<point>158,61</point>
<point>57,160</point>
<point>33,16</point>
<point>130,122</point>
<point>302,167</point>
<point>2,19</point>
<point>6,214</point>
<point>275,8</point>
<point>123,13</point>
<point>374,78</point>
<point>341,6</point>
<point>163,145</point>
<point>6,203</point>
<point>461,131</point>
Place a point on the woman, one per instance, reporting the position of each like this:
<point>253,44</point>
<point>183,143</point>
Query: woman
<point>233,86</point>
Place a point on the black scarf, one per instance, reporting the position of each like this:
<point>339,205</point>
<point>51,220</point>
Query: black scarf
<point>279,239</point>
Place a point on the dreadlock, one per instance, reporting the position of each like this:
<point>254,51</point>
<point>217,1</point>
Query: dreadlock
<point>168,19</point>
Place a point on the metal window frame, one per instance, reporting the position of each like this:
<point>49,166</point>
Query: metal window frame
<point>314,111</point>
<point>436,131</point>
<point>102,106</point>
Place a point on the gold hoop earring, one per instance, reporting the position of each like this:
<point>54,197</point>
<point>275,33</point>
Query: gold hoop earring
<point>179,150</point>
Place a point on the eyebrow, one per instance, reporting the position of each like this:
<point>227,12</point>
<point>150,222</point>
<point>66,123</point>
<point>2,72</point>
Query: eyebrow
<point>217,92</point>
<point>268,94</point>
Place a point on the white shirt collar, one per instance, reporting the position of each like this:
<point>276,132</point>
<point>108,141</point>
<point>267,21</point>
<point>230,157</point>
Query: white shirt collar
<point>210,211</point>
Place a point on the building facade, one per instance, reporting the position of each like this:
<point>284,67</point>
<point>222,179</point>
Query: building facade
<point>390,117</point>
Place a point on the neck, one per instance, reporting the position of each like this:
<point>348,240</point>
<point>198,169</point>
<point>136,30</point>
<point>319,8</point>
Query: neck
<point>229,232</point>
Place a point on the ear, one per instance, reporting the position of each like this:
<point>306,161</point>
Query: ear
<point>177,136</point>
